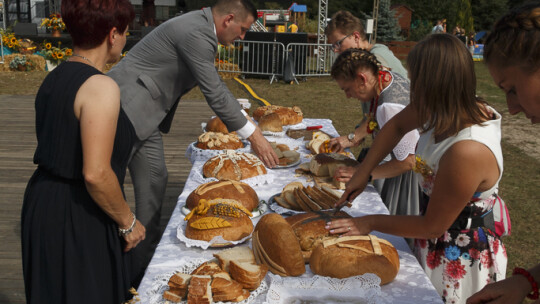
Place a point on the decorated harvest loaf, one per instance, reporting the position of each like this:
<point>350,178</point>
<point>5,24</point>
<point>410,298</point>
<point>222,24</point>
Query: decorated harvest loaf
<point>355,255</point>
<point>233,166</point>
<point>225,217</point>
<point>219,141</point>
<point>229,189</point>
<point>213,282</point>
<point>289,116</point>
<point>216,125</point>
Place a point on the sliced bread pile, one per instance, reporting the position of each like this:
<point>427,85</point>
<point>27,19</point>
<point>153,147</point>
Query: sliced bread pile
<point>229,279</point>
<point>297,197</point>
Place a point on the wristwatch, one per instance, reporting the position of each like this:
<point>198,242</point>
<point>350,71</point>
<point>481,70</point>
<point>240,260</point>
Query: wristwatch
<point>350,137</point>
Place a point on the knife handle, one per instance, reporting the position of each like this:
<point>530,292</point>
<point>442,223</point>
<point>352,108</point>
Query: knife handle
<point>314,127</point>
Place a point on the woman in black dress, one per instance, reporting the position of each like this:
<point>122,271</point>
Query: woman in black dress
<point>77,228</point>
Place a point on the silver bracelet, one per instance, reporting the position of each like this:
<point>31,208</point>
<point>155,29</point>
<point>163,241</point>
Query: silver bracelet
<point>124,232</point>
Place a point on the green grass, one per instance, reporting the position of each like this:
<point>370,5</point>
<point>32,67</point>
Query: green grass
<point>321,98</point>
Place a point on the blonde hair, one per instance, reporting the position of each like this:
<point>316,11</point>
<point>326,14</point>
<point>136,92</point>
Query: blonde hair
<point>515,39</point>
<point>346,23</point>
<point>351,60</point>
<point>443,85</point>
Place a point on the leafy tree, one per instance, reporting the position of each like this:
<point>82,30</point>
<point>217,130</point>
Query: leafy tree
<point>387,25</point>
<point>464,16</point>
<point>486,12</point>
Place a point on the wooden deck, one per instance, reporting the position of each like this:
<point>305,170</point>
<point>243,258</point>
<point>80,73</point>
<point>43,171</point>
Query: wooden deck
<point>17,144</point>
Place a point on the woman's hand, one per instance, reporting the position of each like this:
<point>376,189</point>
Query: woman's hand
<point>349,226</point>
<point>338,144</point>
<point>344,174</point>
<point>135,237</point>
<point>354,187</point>
<point>511,290</point>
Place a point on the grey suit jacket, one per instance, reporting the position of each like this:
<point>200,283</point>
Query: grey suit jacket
<point>166,64</point>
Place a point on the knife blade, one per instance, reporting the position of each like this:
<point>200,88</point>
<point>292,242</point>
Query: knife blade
<point>338,207</point>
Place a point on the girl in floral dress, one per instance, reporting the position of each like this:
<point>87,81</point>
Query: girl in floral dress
<point>459,159</point>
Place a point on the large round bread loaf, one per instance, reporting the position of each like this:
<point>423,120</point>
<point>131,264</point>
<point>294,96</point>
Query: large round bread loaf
<point>216,125</point>
<point>289,116</point>
<point>235,190</point>
<point>275,245</point>
<point>220,219</point>
<point>233,166</point>
<point>271,122</point>
<point>309,227</point>
<point>219,141</point>
<point>351,256</point>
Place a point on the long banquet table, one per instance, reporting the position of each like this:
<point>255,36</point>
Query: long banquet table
<point>411,285</point>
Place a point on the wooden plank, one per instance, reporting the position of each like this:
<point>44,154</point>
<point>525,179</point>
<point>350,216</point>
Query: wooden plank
<point>17,145</point>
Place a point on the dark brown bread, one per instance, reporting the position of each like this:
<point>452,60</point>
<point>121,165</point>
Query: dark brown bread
<point>277,238</point>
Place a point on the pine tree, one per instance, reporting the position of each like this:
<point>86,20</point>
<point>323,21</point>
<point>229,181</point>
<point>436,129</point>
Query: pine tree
<point>387,26</point>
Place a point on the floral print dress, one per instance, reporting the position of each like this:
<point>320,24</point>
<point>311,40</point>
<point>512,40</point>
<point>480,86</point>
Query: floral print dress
<point>462,261</point>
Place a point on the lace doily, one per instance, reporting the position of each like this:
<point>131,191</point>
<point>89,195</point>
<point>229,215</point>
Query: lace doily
<point>194,153</point>
<point>217,241</point>
<point>159,283</point>
<point>324,290</point>
<point>267,178</point>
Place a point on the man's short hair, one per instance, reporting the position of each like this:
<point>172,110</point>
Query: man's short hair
<point>346,23</point>
<point>240,8</point>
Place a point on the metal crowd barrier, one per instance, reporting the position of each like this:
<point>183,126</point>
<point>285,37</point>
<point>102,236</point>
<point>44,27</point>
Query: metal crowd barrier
<point>252,58</point>
<point>273,59</point>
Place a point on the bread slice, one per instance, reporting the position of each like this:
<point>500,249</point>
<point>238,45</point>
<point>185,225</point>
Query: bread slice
<point>308,201</point>
<point>291,200</point>
<point>170,296</point>
<point>303,205</point>
<point>318,198</point>
<point>329,199</point>
<point>180,279</point>
<point>292,186</point>
<point>248,274</point>
<point>282,202</point>
<point>199,290</point>
<point>263,258</point>
<point>238,253</point>
<point>207,268</point>
<point>225,290</point>
<point>331,191</point>
<point>245,295</point>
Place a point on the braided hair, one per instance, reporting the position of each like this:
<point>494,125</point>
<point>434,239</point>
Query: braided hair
<point>515,39</point>
<point>348,62</point>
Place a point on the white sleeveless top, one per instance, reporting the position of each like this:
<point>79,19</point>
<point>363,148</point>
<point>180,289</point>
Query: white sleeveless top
<point>428,153</point>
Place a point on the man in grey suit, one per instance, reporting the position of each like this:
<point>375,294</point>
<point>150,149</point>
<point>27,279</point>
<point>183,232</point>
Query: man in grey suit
<point>168,62</point>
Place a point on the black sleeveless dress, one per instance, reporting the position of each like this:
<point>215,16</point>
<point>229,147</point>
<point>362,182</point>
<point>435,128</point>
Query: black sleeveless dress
<point>71,249</point>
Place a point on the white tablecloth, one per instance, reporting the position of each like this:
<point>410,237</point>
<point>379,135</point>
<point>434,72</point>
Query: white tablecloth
<point>410,286</point>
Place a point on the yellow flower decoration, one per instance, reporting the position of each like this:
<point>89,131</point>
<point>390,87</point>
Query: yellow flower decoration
<point>60,55</point>
<point>69,52</point>
<point>13,40</point>
<point>48,46</point>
